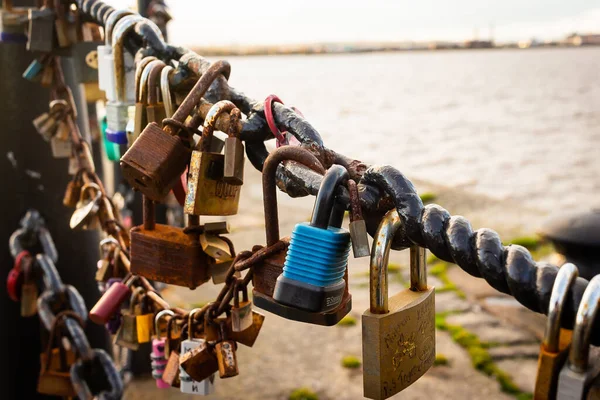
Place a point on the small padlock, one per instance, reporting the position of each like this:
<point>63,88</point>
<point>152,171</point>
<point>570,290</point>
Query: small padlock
<point>358,227</point>
<point>173,339</point>
<point>233,171</point>
<point>583,365</point>
<point>85,214</point>
<point>241,312</point>
<point>48,74</point>
<point>248,336</point>
<point>155,110</point>
<point>155,175</point>
<point>141,98</point>
<point>555,346</point>
<point>398,342</point>
<point>316,261</point>
<point>166,253</point>
<point>159,361</point>
<point>195,359</point>
<point>111,301</point>
<point>215,247</point>
<point>45,124</point>
<point>144,322</point>
<point>55,376</point>
<point>165,90</point>
<point>208,193</point>
<point>127,335</point>
<point>34,70</point>
<point>105,58</point>
<point>171,373</point>
<point>61,25</point>
<point>226,357</point>
<point>73,190</point>
<point>60,148</point>
<point>40,36</point>
<point>14,281</point>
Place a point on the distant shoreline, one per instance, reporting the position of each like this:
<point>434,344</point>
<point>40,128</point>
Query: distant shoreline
<point>340,49</point>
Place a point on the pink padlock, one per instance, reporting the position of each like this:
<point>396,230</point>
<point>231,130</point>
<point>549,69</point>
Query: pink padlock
<point>158,356</point>
<point>111,301</point>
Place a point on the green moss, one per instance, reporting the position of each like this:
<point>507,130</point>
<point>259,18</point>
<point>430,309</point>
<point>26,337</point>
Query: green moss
<point>438,269</point>
<point>351,362</point>
<point>441,359</point>
<point>394,268</point>
<point>303,394</point>
<point>480,357</point>
<point>348,320</point>
<point>427,197</point>
<point>432,259</point>
<point>529,242</point>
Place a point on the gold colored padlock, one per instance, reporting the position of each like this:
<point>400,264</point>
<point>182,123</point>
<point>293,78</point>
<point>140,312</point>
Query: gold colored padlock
<point>555,346</point>
<point>399,333</point>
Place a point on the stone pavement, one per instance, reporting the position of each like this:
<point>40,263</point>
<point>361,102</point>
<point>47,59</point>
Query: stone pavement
<point>289,355</point>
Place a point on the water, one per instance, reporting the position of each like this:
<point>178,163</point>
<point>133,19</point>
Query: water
<point>523,125</point>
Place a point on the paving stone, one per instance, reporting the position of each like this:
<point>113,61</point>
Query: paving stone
<point>449,301</point>
<point>522,372</point>
<point>504,334</point>
<point>474,318</point>
<point>519,351</point>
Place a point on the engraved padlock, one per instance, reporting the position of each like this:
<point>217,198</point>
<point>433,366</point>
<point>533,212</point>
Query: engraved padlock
<point>555,346</point>
<point>398,334</point>
<point>583,364</point>
<point>193,361</point>
<point>87,207</point>
<point>208,192</point>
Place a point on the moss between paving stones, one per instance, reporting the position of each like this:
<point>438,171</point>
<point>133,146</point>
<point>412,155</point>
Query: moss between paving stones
<point>480,357</point>
<point>427,197</point>
<point>439,269</point>
<point>351,362</point>
<point>441,359</point>
<point>303,394</point>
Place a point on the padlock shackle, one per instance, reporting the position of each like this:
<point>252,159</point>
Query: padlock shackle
<point>324,204</point>
<point>220,107</point>
<point>153,80</point>
<point>139,70</point>
<point>120,31</point>
<point>191,322</point>
<point>112,20</point>
<point>157,318</point>
<point>294,153</point>
<point>165,89</point>
<point>565,278</point>
<point>133,300</point>
<point>586,314</point>
<point>198,91</point>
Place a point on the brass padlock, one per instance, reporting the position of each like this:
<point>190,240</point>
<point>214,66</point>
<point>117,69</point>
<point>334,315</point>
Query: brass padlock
<point>208,191</point>
<point>141,98</point>
<point>241,312</point>
<point>398,334</point>
<point>127,334</point>
<point>155,110</point>
<point>248,336</point>
<point>156,160</point>
<point>144,322</point>
<point>73,190</point>
<point>226,357</point>
<point>233,172</point>
<point>87,207</point>
<point>215,247</point>
<point>167,253</point>
<point>555,346</point>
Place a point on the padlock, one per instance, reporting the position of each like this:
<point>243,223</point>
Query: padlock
<point>127,335</point>
<point>106,72</point>
<point>215,247</point>
<point>33,72</point>
<point>62,24</point>
<point>226,357</point>
<point>358,227</point>
<point>61,148</point>
<point>173,339</point>
<point>29,288</point>
<point>144,322</point>
<point>155,110</point>
<point>316,261</point>
<point>85,61</point>
<point>398,334</point>
<point>171,373</point>
<point>45,124</point>
<point>86,209</point>
<point>555,346</point>
<point>12,24</point>
<point>141,98</point>
<point>248,336</point>
<point>155,162</point>
<point>233,171</point>
<point>104,269</point>
<point>196,359</point>
<point>111,301</point>
<point>40,36</point>
<point>583,365</point>
<point>14,281</point>
<point>159,361</point>
<point>167,253</point>
<point>116,108</point>
<point>73,190</point>
<point>208,193</point>
<point>241,312</point>
<point>55,362</point>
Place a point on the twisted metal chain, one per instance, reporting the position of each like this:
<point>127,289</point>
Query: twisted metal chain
<point>62,304</point>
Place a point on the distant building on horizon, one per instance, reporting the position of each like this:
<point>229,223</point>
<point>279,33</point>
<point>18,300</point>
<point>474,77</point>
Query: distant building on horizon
<point>576,39</point>
<point>479,44</point>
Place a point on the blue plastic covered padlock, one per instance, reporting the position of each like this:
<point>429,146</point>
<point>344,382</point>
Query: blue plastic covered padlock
<point>317,258</point>
<point>118,137</point>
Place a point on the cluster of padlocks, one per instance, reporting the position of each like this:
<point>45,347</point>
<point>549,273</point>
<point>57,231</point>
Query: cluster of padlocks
<point>302,277</point>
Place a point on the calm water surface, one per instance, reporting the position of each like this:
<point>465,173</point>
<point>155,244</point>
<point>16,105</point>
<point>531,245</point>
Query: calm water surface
<point>510,124</point>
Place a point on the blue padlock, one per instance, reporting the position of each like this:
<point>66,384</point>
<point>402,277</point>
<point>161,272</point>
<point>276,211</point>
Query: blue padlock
<point>34,70</point>
<point>317,258</point>
<point>118,137</point>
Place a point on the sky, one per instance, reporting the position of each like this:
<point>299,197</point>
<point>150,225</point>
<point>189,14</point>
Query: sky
<point>209,23</point>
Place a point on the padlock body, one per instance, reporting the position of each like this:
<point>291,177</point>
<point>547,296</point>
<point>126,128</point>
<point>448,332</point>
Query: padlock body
<point>154,162</point>
<point>127,335</point>
<point>360,239</point>
<point>226,359</point>
<point>54,381</point>
<point>166,254</point>
<point>233,172</point>
<point>29,295</point>
<point>40,35</point>
<point>171,372</point>
<point>248,336</point>
<point>85,57</point>
<point>241,317</point>
<point>266,273</point>
<point>145,327</point>
<point>109,303</point>
<point>199,366</point>
<point>398,347</point>
<point>208,193</point>
<point>158,362</point>
<point>549,366</point>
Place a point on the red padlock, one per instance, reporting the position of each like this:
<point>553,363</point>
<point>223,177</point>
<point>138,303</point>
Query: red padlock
<point>14,281</point>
